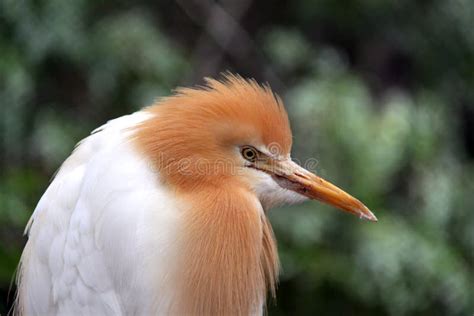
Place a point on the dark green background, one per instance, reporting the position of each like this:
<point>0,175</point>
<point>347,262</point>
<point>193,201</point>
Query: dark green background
<point>380,93</point>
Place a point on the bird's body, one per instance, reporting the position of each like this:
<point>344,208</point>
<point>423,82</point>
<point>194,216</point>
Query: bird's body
<point>163,211</point>
<point>95,211</point>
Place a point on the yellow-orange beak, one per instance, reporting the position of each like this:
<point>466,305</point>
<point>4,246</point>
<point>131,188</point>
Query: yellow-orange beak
<point>293,177</point>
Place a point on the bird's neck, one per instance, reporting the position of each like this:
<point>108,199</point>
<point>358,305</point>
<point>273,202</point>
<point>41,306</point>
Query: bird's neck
<point>229,256</point>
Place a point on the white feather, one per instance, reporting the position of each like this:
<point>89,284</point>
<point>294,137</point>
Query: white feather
<point>269,193</point>
<point>100,239</point>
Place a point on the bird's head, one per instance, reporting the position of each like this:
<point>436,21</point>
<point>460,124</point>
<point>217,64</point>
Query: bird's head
<point>234,134</point>
<point>224,151</point>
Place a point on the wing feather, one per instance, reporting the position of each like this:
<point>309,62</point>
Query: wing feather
<point>91,232</point>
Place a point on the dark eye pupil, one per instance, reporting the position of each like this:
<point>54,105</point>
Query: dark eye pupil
<point>249,154</point>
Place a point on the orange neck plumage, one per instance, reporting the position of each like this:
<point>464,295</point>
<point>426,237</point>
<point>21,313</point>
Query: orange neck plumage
<point>231,259</point>
<point>228,257</point>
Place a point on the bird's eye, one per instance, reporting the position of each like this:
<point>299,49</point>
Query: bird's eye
<point>249,153</point>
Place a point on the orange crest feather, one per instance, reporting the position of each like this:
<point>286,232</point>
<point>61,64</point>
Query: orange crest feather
<point>229,258</point>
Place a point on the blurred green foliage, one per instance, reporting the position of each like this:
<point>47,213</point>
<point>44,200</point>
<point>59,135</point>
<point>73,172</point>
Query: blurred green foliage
<point>379,92</point>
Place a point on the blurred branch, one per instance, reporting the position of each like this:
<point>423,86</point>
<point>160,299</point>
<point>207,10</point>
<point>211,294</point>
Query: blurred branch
<point>224,29</point>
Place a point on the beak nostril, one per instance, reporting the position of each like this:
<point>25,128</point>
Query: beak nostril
<point>299,174</point>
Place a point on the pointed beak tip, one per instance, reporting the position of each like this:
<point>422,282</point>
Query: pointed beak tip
<point>368,215</point>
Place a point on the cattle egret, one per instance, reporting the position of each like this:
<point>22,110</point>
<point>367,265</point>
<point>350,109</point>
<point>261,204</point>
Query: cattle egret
<point>163,212</point>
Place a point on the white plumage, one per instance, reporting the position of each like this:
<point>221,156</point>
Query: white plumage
<point>90,236</point>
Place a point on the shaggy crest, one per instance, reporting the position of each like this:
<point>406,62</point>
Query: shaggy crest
<point>228,248</point>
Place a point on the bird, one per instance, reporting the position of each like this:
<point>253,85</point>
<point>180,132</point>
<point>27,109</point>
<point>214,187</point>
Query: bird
<point>164,211</point>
